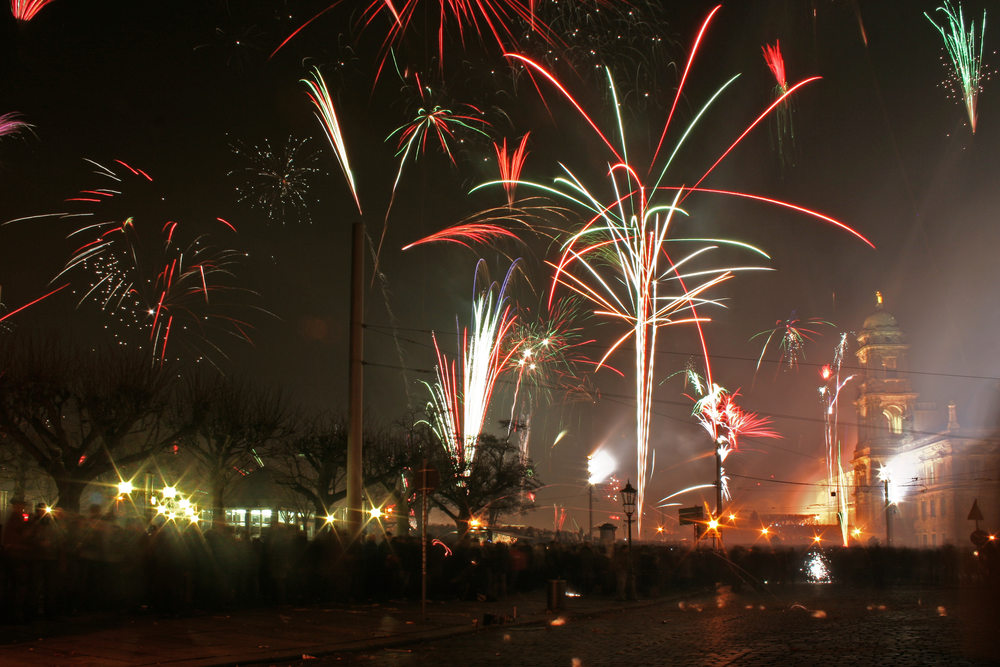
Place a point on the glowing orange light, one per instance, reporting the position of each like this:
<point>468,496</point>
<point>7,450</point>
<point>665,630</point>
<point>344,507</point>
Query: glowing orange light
<point>376,513</point>
<point>659,529</point>
<point>713,524</point>
<point>817,539</point>
<point>125,488</point>
<point>764,531</point>
<point>732,517</point>
<point>826,372</point>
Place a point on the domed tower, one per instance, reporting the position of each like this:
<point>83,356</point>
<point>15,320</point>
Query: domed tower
<point>885,409</point>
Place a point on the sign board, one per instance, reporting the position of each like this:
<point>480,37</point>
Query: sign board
<point>975,514</point>
<point>687,516</point>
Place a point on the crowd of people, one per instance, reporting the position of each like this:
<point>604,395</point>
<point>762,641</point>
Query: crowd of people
<point>55,564</point>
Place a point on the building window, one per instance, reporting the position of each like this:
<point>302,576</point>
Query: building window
<point>923,509</point>
<point>942,507</point>
<point>933,508</point>
<point>894,417</point>
<point>934,540</point>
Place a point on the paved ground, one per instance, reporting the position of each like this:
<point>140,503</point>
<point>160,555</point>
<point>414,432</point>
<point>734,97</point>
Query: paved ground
<point>808,625</point>
<point>262,636</point>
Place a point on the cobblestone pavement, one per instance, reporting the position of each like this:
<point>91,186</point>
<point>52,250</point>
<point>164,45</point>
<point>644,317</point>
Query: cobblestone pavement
<point>808,625</point>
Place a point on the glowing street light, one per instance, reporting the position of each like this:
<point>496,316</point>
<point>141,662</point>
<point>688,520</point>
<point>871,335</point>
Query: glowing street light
<point>600,465</point>
<point>124,488</point>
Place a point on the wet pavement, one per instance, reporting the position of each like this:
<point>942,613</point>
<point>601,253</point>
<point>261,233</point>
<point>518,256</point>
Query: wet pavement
<point>800,625</point>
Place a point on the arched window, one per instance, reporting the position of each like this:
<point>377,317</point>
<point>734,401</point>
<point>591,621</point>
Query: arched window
<point>894,417</point>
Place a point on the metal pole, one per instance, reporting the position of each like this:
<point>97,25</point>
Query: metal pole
<point>718,496</point>
<point>590,515</point>
<point>423,543</point>
<point>628,580</point>
<point>355,433</point>
<point>718,483</point>
<point>888,515</point>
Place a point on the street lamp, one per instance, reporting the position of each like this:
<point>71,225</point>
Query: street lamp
<point>628,504</point>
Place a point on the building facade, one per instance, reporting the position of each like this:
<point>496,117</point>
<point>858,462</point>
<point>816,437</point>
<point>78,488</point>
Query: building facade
<point>915,475</point>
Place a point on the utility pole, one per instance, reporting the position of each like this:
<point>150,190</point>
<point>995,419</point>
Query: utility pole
<point>888,513</point>
<point>355,431</point>
<point>590,514</point>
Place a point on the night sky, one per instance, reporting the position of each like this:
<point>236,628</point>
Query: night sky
<point>880,143</point>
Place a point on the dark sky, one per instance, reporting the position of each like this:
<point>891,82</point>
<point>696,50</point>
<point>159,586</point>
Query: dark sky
<point>879,144</point>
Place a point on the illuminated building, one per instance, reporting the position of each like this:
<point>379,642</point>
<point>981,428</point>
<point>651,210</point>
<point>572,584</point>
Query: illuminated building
<point>931,476</point>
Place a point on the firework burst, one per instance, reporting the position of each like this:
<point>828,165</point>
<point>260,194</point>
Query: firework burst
<point>784,131</point>
<point>829,392</point>
<point>624,260</point>
<point>277,181</point>
<point>319,95</point>
<point>146,271</point>
<point>11,124</point>
<point>550,359</point>
<point>458,413</point>
<point>501,21</point>
<point>725,422</point>
<point>510,165</point>
<point>965,53</point>
<point>25,10</point>
<point>791,335</point>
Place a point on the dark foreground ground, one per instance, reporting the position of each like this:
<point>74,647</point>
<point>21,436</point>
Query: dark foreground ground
<point>797,625</point>
<point>792,625</point>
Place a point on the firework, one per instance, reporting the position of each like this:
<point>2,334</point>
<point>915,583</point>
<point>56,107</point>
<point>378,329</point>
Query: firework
<point>791,336</point>
<point>11,123</point>
<point>25,10</point>
<point>510,166</point>
<point>6,314</point>
<point>829,391</point>
<point>458,414</point>
<point>623,260</point>
<point>784,132</point>
<point>600,465</point>
<point>965,53</point>
<point>501,20</point>
<point>277,181</point>
<point>593,34</point>
<point>142,268</point>
<point>725,422</point>
<point>549,358</point>
<point>533,215</point>
<point>437,123</point>
<point>327,116</point>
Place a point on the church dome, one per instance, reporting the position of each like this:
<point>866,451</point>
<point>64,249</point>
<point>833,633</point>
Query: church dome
<point>880,319</point>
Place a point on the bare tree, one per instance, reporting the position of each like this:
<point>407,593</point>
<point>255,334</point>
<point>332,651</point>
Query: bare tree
<point>225,425</point>
<point>82,414</point>
<point>313,462</point>
<point>497,483</point>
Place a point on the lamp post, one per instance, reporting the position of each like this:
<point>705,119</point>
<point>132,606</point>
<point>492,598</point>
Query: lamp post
<point>886,478</point>
<point>628,495</point>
